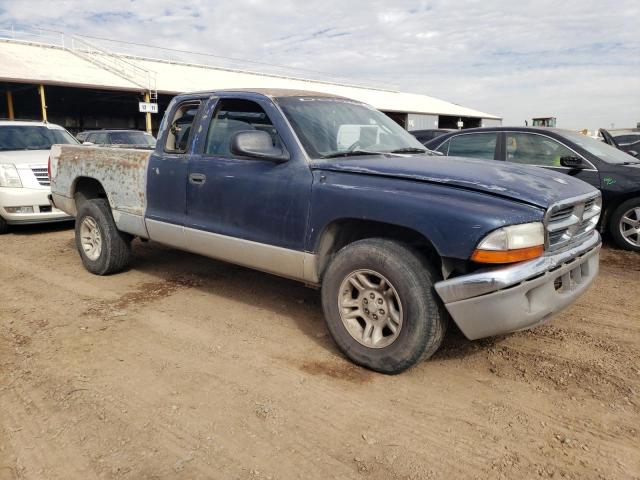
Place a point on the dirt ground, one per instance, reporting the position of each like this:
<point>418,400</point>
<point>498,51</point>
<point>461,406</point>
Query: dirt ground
<point>188,368</point>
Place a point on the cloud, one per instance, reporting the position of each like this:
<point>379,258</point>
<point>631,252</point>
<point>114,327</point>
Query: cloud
<point>577,60</point>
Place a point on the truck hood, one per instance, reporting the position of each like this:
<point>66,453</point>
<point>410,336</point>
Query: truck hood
<point>534,185</point>
<point>25,157</point>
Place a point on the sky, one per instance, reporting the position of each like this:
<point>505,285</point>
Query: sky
<point>576,60</point>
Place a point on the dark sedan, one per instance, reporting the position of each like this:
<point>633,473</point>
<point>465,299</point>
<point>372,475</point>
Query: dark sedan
<point>627,142</point>
<point>614,172</point>
<point>132,138</point>
<point>424,136</point>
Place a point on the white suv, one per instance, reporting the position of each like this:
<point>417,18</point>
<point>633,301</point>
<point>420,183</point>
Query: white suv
<point>24,177</point>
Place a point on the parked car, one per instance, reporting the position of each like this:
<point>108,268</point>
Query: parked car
<point>134,138</point>
<point>24,177</point>
<point>424,136</point>
<point>628,142</point>
<point>614,172</point>
<point>333,193</point>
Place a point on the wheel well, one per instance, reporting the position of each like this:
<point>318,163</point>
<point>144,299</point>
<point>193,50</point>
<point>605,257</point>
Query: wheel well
<point>611,207</point>
<point>87,188</point>
<point>340,233</point>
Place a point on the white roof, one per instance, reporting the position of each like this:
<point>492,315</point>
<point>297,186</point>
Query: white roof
<point>40,63</point>
<point>28,123</point>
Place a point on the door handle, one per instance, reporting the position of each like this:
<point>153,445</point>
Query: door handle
<point>197,178</point>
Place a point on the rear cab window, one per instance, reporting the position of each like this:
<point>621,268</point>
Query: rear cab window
<point>179,131</point>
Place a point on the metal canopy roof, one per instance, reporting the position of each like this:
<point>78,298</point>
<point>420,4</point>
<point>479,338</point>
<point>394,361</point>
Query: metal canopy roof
<point>55,65</point>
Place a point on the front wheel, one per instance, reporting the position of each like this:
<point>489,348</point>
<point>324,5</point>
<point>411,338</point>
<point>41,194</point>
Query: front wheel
<point>4,226</point>
<point>102,247</point>
<point>380,306</point>
<point>625,225</point>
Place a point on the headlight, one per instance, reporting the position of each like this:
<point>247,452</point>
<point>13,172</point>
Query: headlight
<point>9,176</point>
<point>514,243</point>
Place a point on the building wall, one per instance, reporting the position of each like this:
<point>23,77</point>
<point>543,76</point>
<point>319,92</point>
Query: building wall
<point>490,122</point>
<point>421,121</point>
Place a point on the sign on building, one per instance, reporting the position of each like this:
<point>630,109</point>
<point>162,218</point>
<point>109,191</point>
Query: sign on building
<point>147,107</point>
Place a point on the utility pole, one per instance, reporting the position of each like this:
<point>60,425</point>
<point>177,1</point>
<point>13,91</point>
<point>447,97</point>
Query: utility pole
<point>43,102</point>
<point>147,98</point>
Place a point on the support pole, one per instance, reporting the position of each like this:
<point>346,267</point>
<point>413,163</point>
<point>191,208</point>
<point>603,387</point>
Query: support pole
<point>10,105</point>
<point>147,98</point>
<point>43,103</point>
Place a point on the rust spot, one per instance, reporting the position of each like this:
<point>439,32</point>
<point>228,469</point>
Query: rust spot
<point>339,369</point>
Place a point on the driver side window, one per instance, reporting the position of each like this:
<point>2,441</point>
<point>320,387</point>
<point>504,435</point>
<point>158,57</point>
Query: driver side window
<point>534,149</point>
<point>233,116</point>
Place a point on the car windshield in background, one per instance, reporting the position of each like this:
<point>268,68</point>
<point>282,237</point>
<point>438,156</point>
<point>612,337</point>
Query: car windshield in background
<point>333,127</point>
<point>605,152</point>
<point>27,137</point>
<point>132,138</point>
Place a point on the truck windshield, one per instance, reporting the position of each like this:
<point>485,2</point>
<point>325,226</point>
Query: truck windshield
<point>32,137</point>
<point>334,127</point>
<point>604,152</point>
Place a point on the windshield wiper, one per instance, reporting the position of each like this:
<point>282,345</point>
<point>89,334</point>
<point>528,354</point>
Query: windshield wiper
<point>409,150</point>
<point>352,153</point>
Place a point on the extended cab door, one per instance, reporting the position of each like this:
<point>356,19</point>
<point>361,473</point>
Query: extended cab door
<point>167,174</point>
<point>543,151</point>
<point>245,210</point>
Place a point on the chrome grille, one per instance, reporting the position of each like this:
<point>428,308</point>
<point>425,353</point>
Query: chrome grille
<point>571,220</point>
<point>42,175</point>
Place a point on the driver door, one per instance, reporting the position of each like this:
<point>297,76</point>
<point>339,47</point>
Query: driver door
<point>246,210</point>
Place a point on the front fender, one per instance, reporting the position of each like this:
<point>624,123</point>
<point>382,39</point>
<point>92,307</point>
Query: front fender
<point>452,219</point>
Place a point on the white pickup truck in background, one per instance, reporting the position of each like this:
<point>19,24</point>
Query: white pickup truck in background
<point>24,176</point>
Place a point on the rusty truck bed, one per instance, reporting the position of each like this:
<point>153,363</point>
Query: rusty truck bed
<point>121,172</point>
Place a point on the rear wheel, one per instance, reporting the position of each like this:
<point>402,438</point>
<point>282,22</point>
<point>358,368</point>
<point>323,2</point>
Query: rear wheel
<point>102,247</point>
<point>4,227</point>
<point>380,306</point>
<point>625,225</point>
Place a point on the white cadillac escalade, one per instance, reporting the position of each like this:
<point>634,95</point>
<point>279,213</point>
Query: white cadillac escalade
<point>24,176</point>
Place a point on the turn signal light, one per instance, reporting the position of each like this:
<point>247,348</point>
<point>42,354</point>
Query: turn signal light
<point>507,256</point>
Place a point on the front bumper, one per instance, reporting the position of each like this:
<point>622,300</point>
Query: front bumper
<point>520,296</point>
<point>35,198</point>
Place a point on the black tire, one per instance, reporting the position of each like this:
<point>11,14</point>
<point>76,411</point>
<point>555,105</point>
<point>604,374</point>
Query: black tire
<point>4,226</point>
<point>615,227</point>
<point>116,246</point>
<point>424,318</point>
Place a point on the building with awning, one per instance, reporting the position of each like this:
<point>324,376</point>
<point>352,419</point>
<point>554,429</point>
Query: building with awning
<point>71,81</point>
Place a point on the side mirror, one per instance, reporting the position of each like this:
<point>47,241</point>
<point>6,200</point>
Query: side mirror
<point>572,161</point>
<point>257,144</point>
<point>87,143</point>
<point>633,153</point>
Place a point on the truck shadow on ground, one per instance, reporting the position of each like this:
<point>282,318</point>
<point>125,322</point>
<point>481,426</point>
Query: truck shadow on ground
<point>263,291</point>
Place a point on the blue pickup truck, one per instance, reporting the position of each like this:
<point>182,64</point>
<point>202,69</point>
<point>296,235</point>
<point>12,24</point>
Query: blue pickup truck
<point>331,192</point>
